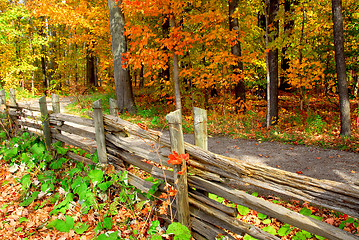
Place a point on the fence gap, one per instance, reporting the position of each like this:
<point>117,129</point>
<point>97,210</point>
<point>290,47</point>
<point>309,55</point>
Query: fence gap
<point>200,128</point>
<point>113,107</point>
<point>99,131</point>
<point>45,122</point>
<point>55,103</point>
<point>177,144</point>
<point>12,97</point>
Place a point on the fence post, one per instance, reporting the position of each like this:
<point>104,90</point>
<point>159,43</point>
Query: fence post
<point>2,97</point>
<point>55,103</point>
<point>177,144</point>
<point>45,121</point>
<point>200,128</point>
<point>99,131</point>
<point>12,97</point>
<point>113,107</point>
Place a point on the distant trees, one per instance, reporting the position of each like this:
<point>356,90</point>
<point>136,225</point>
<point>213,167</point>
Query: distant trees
<point>216,51</point>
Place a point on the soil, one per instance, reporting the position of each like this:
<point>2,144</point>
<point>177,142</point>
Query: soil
<point>314,162</point>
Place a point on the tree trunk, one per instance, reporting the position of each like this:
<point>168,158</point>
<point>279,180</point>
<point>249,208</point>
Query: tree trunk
<point>240,88</point>
<point>119,47</point>
<point>176,73</point>
<point>91,68</point>
<point>165,73</point>
<point>288,28</point>
<point>272,7</point>
<point>341,68</point>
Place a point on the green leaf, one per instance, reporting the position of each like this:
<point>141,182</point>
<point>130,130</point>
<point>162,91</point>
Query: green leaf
<point>284,230</point>
<point>180,232</point>
<point>156,237</point>
<point>261,216</point>
<point>153,228</point>
<point>10,153</point>
<point>153,189</point>
<point>105,185</point>
<point>320,237</point>
<point>23,219</point>
<point>63,206</point>
<point>69,221</point>
<point>267,221</point>
<point>25,181</point>
<point>270,229</point>
<point>2,135</point>
<point>108,236</point>
<point>305,211</point>
<point>29,199</point>
<point>255,194</point>
<point>19,229</point>
<point>316,217</point>
<point>37,149</point>
<point>96,176</point>
<point>242,210</point>
<point>107,223</point>
<point>80,228</point>
<point>58,163</point>
<point>52,224</point>
<point>248,237</point>
<point>98,228</point>
<point>61,150</point>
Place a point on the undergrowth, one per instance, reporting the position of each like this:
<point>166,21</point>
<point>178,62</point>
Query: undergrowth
<point>87,201</point>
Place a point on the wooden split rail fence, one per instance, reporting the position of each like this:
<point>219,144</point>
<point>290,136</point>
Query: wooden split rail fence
<point>122,143</point>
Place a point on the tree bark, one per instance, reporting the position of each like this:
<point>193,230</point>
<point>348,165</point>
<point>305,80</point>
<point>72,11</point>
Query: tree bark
<point>272,7</point>
<point>176,73</point>
<point>91,75</point>
<point>288,28</point>
<point>119,47</point>
<point>341,68</point>
<point>240,88</point>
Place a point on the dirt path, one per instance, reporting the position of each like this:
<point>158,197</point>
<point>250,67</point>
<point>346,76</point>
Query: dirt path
<point>310,161</point>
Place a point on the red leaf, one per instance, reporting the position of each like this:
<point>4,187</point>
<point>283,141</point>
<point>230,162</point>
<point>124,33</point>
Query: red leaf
<point>299,172</point>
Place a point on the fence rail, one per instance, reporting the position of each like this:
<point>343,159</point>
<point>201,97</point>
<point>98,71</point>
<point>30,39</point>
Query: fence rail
<point>121,143</point>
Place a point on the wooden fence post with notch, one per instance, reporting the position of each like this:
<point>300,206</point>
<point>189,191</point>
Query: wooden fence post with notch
<point>100,132</point>
<point>2,97</point>
<point>177,144</point>
<point>12,97</point>
<point>200,128</point>
<point>55,103</point>
<point>113,107</point>
<point>45,122</point>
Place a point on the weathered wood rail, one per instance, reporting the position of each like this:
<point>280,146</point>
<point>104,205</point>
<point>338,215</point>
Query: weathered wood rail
<point>121,143</point>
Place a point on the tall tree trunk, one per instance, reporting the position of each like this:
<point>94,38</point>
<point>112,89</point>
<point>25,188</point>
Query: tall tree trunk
<point>165,73</point>
<point>341,68</point>
<point>288,28</point>
<point>272,7</point>
<point>119,46</point>
<point>91,68</point>
<point>240,88</point>
<point>176,72</point>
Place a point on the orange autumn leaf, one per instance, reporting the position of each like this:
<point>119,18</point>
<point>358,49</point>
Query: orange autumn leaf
<point>176,159</point>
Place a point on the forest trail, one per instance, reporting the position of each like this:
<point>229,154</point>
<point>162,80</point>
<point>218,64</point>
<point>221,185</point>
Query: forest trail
<point>313,162</point>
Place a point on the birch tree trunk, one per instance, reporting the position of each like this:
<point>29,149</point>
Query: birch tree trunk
<point>119,47</point>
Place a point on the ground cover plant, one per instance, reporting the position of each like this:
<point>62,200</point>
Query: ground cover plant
<point>47,196</point>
